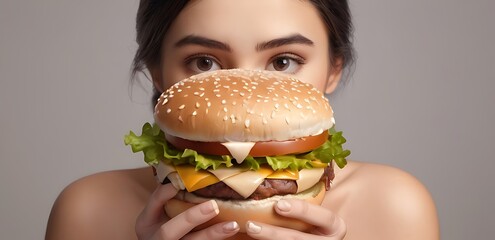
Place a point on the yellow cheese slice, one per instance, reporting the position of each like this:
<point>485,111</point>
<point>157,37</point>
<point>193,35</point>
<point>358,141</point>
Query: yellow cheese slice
<point>194,180</point>
<point>318,164</point>
<point>284,174</point>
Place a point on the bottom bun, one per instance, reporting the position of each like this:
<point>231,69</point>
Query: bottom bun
<point>242,211</point>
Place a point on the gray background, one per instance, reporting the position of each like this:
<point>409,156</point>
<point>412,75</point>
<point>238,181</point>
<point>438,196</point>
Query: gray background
<point>421,99</point>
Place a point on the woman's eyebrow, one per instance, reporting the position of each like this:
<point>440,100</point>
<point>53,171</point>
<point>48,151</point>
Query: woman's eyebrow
<point>291,39</point>
<point>202,41</point>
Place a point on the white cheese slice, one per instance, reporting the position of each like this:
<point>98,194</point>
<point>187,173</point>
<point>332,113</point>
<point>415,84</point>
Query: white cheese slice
<point>176,181</point>
<point>163,170</point>
<point>223,173</point>
<point>308,178</point>
<point>245,183</point>
<point>239,150</point>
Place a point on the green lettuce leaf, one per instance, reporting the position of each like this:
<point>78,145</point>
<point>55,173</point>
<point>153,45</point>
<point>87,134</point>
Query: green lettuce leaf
<point>150,142</point>
<point>154,147</point>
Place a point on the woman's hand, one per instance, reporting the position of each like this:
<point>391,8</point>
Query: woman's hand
<point>327,225</point>
<point>154,224</point>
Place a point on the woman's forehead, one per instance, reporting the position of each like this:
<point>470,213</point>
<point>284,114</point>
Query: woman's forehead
<point>247,20</point>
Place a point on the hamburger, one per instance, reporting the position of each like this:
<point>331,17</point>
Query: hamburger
<point>245,138</point>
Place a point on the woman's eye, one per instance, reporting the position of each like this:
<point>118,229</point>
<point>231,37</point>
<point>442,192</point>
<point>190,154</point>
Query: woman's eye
<point>201,64</point>
<point>287,64</point>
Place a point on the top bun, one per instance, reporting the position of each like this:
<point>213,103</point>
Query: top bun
<point>242,106</point>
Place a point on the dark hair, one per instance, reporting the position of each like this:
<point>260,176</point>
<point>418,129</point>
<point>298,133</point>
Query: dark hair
<point>154,18</point>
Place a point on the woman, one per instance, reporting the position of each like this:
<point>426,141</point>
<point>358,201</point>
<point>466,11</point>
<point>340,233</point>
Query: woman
<point>309,39</point>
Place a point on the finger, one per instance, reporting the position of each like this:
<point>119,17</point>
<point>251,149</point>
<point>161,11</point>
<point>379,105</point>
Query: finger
<point>154,212</point>
<point>263,231</point>
<point>217,231</point>
<point>183,223</point>
<point>327,223</point>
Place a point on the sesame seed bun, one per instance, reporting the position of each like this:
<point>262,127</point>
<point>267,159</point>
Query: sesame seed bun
<point>242,106</point>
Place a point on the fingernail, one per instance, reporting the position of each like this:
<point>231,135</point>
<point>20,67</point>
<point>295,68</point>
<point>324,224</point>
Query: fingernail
<point>230,227</point>
<point>209,208</point>
<point>253,228</point>
<point>283,205</point>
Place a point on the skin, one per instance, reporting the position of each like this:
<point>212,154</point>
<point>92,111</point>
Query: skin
<point>366,201</point>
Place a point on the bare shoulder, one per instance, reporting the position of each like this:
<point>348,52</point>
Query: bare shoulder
<point>383,202</point>
<point>85,208</point>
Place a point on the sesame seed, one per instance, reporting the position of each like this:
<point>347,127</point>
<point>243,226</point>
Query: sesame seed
<point>180,119</point>
<point>182,107</point>
<point>164,101</point>
<point>224,101</point>
<point>194,113</point>
<point>197,105</point>
<point>247,123</point>
<point>169,110</point>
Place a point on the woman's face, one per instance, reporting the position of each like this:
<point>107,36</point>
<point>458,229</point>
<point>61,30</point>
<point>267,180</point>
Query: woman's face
<point>276,35</point>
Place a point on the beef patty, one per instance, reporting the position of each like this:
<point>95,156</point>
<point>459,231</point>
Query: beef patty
<point>268,188</point>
